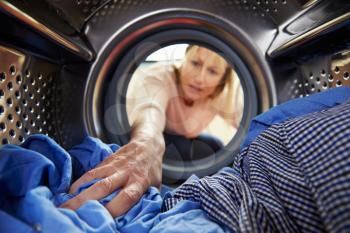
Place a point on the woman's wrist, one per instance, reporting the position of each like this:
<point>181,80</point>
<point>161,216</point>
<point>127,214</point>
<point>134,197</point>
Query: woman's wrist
<point>155,140</point>
<point>152,149</point>
<point>148,130</point>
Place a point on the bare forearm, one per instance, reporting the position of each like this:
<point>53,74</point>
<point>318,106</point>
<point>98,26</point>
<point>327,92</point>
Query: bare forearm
<point>149,126</point>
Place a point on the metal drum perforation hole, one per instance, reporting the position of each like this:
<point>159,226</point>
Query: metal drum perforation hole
<point>2,76</point>
<point>325,85</point>
<point>27,73</point>
<point>2,126</point>
<point>18,94</point>
<point>12,70</point>
<point>9,102</point>
<point>330,78</point>
<point>12,133</point>
<point>10,117</point>
<point>5,141</point>
<point>18,109</point>
<point>336,70</point>
<point>25,87</point>
<point>10,86</point>
<point>18,79</point>
<point>19,125</point>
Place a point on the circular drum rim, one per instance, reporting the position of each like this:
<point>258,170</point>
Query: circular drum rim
<point>162,23</point>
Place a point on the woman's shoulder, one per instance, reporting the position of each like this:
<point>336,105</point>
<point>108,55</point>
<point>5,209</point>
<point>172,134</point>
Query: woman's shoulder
<point>159,70</point>
<point>154,77</point>
<point>161,74</point>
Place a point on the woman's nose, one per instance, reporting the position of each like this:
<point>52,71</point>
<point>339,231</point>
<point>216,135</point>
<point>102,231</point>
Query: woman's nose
<point>200,76</point>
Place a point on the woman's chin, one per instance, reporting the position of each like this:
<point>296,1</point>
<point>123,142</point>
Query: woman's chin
<point>193,97</point>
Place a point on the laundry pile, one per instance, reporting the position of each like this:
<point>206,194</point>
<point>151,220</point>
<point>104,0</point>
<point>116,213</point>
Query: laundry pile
<point>292,175</point>
<point>34,181</point>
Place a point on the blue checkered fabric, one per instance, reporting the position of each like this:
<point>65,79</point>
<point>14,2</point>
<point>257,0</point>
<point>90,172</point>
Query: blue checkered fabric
<point>294,177</point>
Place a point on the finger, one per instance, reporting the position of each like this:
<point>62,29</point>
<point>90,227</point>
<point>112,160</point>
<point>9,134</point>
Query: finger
<point>126,199</point>
<point>100,172</point>
<point>97,191</point>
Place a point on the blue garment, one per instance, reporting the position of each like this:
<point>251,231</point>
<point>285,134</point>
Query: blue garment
<point>297,179</point>
<point>35,177</point>
<point>294,108</point>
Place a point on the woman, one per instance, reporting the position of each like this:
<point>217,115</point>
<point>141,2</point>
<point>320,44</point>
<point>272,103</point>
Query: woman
<point>190,101</point>
<point>181,101</point>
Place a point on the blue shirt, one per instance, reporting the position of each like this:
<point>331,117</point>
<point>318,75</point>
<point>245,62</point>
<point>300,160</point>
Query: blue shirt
<point>35,178</point>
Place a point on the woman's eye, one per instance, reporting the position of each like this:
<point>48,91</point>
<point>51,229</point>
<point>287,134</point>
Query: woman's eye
<point>213,72</point>
<point>195,63</point>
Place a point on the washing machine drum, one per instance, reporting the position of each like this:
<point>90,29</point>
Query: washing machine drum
<point>68,76</point>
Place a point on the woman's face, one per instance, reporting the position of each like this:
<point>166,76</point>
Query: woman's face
<point>201,73</point>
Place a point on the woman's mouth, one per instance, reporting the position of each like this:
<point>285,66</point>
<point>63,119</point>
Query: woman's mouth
<point>195,89</point>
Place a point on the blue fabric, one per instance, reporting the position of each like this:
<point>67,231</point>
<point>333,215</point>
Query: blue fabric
<point>35,177</point>
<point>294,108</point>
<point>297,179</point>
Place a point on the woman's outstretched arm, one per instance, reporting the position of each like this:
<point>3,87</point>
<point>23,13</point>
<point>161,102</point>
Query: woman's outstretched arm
<point>135,166</point>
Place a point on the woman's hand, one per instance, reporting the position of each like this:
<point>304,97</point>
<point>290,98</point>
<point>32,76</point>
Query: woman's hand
<point>133,168</point>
